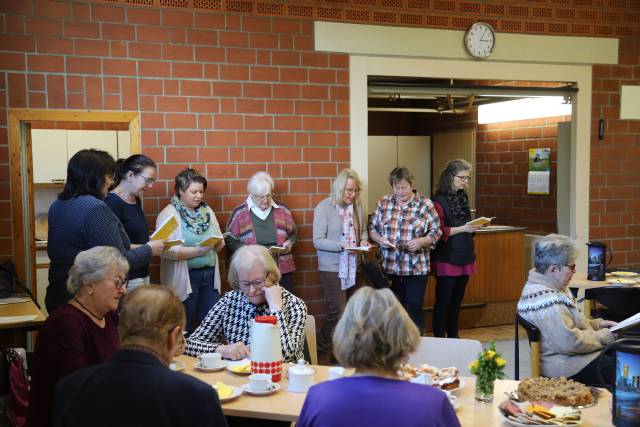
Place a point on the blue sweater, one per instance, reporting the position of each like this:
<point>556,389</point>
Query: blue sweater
<point>76,225</point>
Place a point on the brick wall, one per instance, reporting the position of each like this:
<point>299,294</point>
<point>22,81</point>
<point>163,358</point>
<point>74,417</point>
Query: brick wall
<point>232,87</point>
<point>502,153</point>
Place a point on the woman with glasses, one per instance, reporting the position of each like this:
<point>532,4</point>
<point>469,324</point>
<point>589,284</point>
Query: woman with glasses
<point>253,277</point>
<point>571,345</point>
<point>339,226</point>
<point>406,226</point>
<point>83,332</point>
<point>260,220</point>
<point>79,219</point>
<point>132,177</point>
<point>454,257</point>
<point>192,269</point>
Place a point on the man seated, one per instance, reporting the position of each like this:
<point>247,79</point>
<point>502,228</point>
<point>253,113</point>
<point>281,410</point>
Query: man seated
<point>136,387</point>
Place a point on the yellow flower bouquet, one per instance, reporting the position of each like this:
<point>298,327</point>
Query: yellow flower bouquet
<point>487,368</point>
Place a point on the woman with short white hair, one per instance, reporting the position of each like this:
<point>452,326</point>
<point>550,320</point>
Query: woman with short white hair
<point>81,333</point>
<point>374,336</point>
<point>260,220</point>
<point>253,277</point>
<point>571,344</point>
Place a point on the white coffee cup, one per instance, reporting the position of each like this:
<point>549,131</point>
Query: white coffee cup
<point>259,382</point>
<point>336,372</point>
<point>210,360</point>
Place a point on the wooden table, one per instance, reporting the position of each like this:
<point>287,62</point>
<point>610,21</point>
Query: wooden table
<point>286,406</point>
<point>27,308</point>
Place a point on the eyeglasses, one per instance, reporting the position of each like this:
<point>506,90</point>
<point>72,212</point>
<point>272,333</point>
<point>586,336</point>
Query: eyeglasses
<point>257,284</point>
<point>120,281</point>
<point>264,197</point>
<point>351,190</point>
<point>463,178</point>
<point>572,267</point>
<point>147,180</point>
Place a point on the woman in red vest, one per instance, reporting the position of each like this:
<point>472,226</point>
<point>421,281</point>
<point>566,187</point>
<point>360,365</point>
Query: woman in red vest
<point>260,220</point>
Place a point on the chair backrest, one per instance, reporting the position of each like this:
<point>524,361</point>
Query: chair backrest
<point>310,337</point>
<point>534,335</point>
<point>444,352</point>
<point>621,302</point>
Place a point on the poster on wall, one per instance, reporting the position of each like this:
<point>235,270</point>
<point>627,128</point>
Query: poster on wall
<point>539,171</point>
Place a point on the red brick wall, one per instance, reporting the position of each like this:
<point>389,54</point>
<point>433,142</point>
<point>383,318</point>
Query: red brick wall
<point>502,153</point>
<point>231,87</point>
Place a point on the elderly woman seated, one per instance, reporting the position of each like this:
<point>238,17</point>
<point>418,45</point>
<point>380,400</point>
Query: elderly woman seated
<point>138,375</point>
<point>374,336</point>
<point>82,332</point>
<point>254,276</point>
<point>571,344</point>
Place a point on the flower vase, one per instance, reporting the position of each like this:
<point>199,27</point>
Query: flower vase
<point>484,389</point>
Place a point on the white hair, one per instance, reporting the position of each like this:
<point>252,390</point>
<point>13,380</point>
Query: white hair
<point>93,265</point>
<point>246,258</point>
<point>554,249</point>
<point>260,184</point>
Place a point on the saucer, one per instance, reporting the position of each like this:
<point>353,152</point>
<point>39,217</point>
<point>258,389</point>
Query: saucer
<point>220,367</point>
<point>177,366</point>
<point>236,392</point>
<point>247,389</point>
<point>231,365</point>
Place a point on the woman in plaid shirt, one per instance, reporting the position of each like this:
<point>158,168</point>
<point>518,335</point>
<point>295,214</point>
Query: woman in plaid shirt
<point>406,226</point>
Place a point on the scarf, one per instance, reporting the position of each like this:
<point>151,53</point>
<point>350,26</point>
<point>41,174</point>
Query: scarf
<point>459,204</point>
<point>347,269</point>
<point>196,221</point>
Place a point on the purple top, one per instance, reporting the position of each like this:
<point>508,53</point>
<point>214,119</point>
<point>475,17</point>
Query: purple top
<point>67,341</point>
<point>375,401</point>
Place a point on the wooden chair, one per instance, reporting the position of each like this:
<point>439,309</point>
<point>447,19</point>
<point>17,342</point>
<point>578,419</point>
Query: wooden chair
<point>534,336</point>
<point>444,352</point>
<point>310,339</point>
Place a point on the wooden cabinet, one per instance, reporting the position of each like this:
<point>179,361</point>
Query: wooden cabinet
<point>99,139</point>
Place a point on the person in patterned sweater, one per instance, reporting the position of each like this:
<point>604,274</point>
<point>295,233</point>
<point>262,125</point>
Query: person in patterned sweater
<point>253,276</point>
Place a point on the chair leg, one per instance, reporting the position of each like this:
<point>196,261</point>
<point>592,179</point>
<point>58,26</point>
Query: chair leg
<point>516,353</point>
<point>535,359</point>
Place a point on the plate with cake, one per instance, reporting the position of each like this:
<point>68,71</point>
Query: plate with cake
<point>444,378</point>
<point>560,391</point>
<point>529,414</point>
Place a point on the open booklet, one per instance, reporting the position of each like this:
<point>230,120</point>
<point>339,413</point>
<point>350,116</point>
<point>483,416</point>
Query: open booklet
<point>359,249</point>
<point>277,249</point>
<point>165,229</point>
<point>481,221</point>
<point>627,323</point>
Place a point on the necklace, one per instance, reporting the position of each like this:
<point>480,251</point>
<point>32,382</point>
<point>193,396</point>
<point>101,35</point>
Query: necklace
<point>99,319</point>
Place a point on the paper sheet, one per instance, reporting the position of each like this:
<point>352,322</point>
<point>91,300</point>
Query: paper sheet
<point>16,319</point>
<point>13,300</point>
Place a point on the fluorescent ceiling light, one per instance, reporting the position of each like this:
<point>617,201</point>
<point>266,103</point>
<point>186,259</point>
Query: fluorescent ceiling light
<point>523,109</point>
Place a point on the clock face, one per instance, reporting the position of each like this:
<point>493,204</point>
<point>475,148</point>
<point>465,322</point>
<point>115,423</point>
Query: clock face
<point>479,40</point>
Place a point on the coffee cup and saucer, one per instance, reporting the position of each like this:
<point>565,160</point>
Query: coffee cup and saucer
<point>210,362</point>
<point>260,385</point>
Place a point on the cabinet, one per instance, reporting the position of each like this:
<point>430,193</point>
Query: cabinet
<point>51,149</point>
<point>388,152</point>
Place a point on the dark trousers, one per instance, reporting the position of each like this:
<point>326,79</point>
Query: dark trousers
<point>335,300</point>
<point>286,281</point>
<point>446,310</point>
<point>410,292</point>
<point>602,368</point>
<point>202,298</point>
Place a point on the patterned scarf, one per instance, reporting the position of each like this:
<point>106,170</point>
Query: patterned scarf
<point>347,270</point>
<point>198,220</point>
<point>459,204</point>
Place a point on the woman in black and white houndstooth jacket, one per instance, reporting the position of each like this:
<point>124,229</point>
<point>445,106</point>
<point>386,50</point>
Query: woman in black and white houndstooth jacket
<point>254,276</point>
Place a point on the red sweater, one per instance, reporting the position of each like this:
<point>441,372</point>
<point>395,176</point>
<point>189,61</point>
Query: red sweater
<point>68,340</point>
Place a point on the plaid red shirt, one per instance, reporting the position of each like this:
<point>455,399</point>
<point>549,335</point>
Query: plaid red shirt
<point>400,224</point>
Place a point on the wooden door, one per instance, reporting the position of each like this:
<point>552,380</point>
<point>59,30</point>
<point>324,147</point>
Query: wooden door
<point>563,172</point>
<point>457,144</point>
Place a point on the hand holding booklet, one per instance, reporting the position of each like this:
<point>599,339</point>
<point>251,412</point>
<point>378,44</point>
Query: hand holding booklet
<point>483,220</point>
<point>627,323</point>
<point>211,241</point>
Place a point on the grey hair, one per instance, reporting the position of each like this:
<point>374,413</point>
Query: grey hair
<point>337,189</point>
<point>93,265</point>
<point>554,249</point>
<point>246,258</point>
<point>374,332</point>
<point>400,173</point>
<point>260,184</point>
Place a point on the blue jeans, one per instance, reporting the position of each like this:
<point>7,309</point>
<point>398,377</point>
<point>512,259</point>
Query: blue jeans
<point>203,296</point>
<point>410,292</point>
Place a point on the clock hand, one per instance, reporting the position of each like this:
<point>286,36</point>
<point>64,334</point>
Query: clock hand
<point>482,39</point>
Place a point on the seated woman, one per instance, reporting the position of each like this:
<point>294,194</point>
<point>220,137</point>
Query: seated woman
<point>374,336</point>
<point>571,344</point>
<point>82,332</point>
<point>254,276</point>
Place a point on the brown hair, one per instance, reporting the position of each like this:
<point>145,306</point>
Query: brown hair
<point>185,178</point>
<point>375,332</point>
<point>149,312</point>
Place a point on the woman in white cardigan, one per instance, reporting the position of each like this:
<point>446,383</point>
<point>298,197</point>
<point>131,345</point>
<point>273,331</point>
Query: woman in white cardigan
<point>191,270</point>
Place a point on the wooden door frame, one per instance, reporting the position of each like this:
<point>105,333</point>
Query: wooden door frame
<point>20,150</point>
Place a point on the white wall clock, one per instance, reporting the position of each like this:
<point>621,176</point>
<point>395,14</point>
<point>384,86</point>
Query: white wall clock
<point>480,40</point>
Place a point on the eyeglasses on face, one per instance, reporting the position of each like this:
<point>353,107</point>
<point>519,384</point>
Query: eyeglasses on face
<point>351,190</point>
<point>572,267</point>
<point>257,284</point>
<point>263,197</point>
<point>120,281</point>
<point>463,178</point>
<point>147,180</point>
